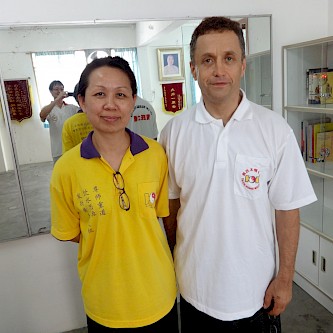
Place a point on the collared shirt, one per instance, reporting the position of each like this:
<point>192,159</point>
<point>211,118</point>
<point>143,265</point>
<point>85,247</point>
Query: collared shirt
<point>124,261</point>
<point>56,119</point>
<point>75,129</point>
<point>229,180</point>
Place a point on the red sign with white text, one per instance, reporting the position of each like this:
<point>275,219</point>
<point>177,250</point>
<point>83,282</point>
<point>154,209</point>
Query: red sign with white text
<point>173,97</point>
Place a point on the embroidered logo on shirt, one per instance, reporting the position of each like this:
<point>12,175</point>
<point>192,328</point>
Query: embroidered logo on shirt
<point>150,199</point>
<point>251,178</point>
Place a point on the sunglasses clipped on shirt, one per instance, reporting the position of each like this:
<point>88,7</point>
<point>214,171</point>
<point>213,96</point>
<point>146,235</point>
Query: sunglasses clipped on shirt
<point>119,183</point>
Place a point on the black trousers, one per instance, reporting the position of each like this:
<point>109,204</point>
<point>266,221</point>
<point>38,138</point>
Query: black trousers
<point>193,320</point>
<point>168,324</point>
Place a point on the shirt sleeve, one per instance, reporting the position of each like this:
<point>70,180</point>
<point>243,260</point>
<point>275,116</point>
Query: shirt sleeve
<point>65,223</point>
<point>291,188</point>
<point>174,190</point>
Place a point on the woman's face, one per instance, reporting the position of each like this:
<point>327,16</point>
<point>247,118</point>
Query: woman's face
<point>108,100</point>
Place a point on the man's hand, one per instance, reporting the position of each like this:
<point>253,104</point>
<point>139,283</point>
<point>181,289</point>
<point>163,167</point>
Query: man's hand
<point>61,96</point>
<point>278,295</point>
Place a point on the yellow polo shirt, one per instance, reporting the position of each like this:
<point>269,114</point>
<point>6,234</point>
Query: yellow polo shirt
<point>124,262</point>
<point>75,129</point>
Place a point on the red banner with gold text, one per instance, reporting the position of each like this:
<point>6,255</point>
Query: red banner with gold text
<point>173,98</point>
<point>18,97</point>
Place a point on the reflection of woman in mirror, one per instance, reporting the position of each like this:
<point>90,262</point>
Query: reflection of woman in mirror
<point>107,194</point>
<point>170,68</point>
<point>76,128</point>
<point>56,113</point>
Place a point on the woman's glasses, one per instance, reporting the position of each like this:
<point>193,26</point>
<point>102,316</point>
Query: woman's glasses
<point>119,183</point>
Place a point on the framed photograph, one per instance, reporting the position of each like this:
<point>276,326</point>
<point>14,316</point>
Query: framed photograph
<point>170,64</point>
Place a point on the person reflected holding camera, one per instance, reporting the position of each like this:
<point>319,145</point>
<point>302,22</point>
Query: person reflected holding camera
<point>56,113</point>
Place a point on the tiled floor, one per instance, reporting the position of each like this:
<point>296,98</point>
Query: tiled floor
<point>303,315</point>
<point>35,180</point>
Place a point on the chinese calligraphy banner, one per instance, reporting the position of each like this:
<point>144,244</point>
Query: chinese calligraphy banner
<point>18,97</point>
<point>173,99</point>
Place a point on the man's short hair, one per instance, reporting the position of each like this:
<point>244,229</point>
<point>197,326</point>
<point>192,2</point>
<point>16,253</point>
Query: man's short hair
<point>216,24</point>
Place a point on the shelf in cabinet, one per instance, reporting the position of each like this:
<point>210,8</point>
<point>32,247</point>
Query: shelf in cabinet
<point>328,108</point>
<point>317,217</point>
<point>320,233</point>
<point>322,170</point>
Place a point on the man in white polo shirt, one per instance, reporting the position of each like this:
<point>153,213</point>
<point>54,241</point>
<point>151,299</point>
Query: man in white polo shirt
<point>56,114</point>
<point>233,166</point>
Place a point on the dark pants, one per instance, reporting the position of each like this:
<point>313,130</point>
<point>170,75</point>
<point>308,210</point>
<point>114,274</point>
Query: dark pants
<point>193,320</point>
<point>168,324</point>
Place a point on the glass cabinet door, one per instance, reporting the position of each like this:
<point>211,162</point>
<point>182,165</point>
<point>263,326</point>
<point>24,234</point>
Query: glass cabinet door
<point>308,108</point>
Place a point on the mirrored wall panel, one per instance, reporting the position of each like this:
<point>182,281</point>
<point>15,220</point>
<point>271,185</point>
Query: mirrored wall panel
<point>33,56</point>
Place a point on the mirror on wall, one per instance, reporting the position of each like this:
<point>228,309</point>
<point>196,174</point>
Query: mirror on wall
<point>25,157</point>
<point>12,216</point>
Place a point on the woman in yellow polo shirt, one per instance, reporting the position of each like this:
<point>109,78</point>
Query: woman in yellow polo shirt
<point>107,194</point>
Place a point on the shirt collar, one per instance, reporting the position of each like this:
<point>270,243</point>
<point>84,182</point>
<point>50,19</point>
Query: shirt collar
<point>242,112</point>
<point>137,145</point>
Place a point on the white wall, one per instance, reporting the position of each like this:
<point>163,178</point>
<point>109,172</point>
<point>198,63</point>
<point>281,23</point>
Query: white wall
<point>330,21</point>
<point>23,307</point>
<point>259,38</point>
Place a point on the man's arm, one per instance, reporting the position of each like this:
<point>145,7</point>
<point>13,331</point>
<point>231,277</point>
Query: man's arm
<point>48,108</point>
<point>170,223</point>
<point>280,289</point>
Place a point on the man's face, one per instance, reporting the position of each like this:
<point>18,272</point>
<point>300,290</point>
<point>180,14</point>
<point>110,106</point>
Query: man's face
<point>56,90</point>
<point>170,60</point>
<point>218,66</point>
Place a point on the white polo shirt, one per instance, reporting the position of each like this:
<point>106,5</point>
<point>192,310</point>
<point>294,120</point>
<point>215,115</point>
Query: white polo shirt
<point>229,180</point>
<point>56,119</point>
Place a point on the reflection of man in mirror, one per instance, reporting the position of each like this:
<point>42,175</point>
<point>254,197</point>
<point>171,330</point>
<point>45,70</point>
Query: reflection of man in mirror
<point>170,68</point>
<point>56,113</point>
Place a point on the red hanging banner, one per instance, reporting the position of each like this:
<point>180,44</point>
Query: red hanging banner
<point>18,99</point>
<point>173,97</point>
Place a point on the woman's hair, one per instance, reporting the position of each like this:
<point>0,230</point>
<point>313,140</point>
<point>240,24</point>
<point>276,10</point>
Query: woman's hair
<point>216,24</point>
<point>55,83</point>
<point>114,62</point>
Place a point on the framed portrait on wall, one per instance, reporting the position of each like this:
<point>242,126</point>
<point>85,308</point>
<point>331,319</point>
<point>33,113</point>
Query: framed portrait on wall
<point>170,64</point>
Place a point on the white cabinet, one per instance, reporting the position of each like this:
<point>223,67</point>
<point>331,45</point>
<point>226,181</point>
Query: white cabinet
<point>315,260</point>
<point>307,255</point>
<point>326,266</point>
<point>308,108</point>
